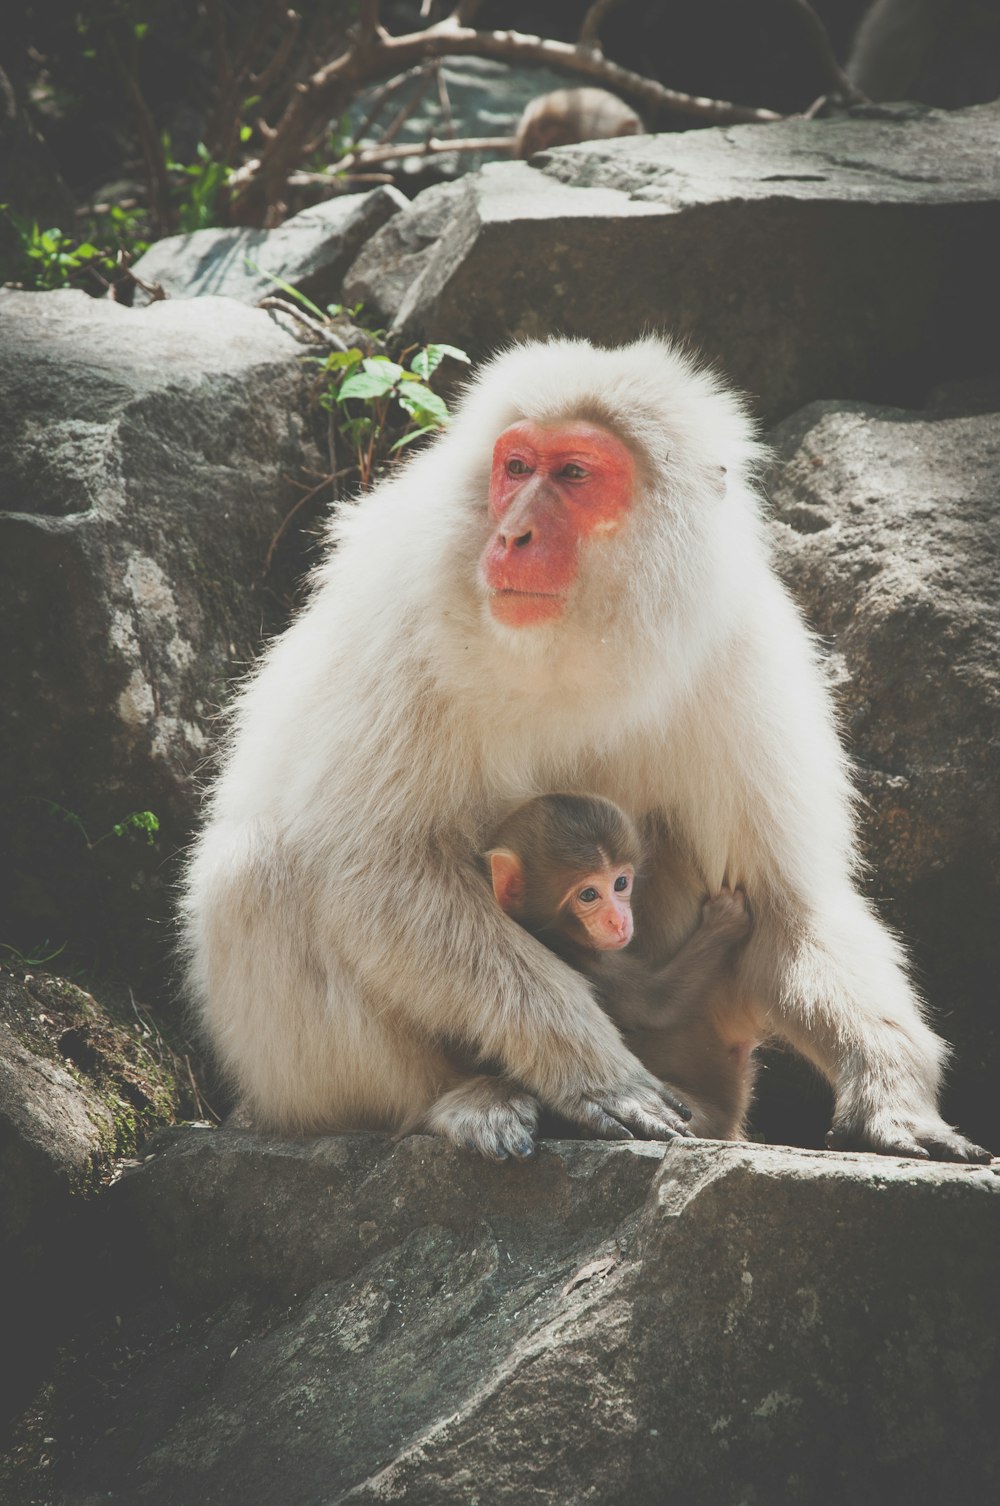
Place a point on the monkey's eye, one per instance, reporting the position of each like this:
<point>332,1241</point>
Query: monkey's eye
<point>621,883</point>
<point>574,472</point>
<point>587,896</point>
<point>518,467</point>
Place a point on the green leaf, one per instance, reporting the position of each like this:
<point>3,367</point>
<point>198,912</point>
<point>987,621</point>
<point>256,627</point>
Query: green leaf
<point>414,434</point>
<point>286,287</point>
<point>377,379</point>
<point>423,404</point>
<point>338,360</point>
<point>427,361</point>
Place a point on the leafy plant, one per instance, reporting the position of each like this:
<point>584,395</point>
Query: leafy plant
<point>367,392</point>
<point>51,259</point>
<point>199,194</point>
<point>135,823</point>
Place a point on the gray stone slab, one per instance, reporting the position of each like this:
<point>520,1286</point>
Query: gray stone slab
<point>853,257</point>
<point>356,1320</point>
<point>311,251</point>
<point>886,530</point>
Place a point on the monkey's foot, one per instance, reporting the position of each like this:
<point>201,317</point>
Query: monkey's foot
<point>489,1114</point>
<point>928,1139</point>
<point>727,915</point>
<point>645,1109</point>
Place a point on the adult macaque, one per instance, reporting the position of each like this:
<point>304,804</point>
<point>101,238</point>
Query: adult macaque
<point>564,867</point>
<point>568,590</point>
<point>568,115</point>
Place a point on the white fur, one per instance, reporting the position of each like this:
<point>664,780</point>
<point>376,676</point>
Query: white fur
<point>338,927</point>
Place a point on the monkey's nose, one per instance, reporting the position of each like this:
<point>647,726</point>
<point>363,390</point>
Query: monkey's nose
<point>519,541</point>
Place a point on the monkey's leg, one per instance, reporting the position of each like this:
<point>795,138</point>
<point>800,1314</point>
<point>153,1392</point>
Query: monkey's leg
<point>492,1115</point>
<point>843,1000</point>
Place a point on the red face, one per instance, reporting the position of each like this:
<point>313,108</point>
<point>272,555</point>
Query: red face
<point>602,903</point>
<point>550,489</point>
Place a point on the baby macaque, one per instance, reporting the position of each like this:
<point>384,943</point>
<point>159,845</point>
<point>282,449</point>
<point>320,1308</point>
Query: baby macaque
<point>564,867</point>
<point>568,115</point>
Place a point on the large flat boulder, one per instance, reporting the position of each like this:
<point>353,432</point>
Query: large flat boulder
<point>147,459</point>
<point>311,252</point>
<point>886,530</point>
<point>353,1319</point>
<point>851,257</point>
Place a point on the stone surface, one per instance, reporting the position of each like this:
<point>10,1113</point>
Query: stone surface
<point>395,256</point>
<point>78,1088</point>
<point>147,458</point>
<point>852,257</point>
<point>886,530</point>
<point>356,1320</point>
<point>311,251</point>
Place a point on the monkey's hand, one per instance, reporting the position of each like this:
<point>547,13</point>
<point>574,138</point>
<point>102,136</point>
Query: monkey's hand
<point>643,1108</point>
<point>726,916</point>
<point>927,1138</point>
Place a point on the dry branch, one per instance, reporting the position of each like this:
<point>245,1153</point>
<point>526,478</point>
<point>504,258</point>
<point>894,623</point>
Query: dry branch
<point>373,54</point>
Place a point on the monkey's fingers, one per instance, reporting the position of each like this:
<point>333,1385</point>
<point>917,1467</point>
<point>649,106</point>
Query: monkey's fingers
<point>673,1100</point>
<point>956,1147</point>
<point>592,1116</point>
<point>939,1144</point>
<point>647,1117</point>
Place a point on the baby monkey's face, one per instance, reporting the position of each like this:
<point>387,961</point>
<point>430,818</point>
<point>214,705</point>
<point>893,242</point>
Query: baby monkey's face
<point>601,903</point>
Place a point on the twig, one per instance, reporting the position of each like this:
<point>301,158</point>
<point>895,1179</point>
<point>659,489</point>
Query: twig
<point>306,497</point>
<point>366,156</point>
<point>382,97</point>
<point>200,1103</point>
<point>149,139</point>
<point>403,114</point>
<point>590,27</point>
<point>267,75</point>
<point>285,306</point>
<point>444,99</point>
<point>826,58</point>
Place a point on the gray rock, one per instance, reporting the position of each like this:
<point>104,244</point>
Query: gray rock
<point>851,256</point>
<point>886,530</point>
<point>311,251</point>
<point>352,1320</point>
<point>146,461</point>
<point>394,257</point>
<point>77,1089</point>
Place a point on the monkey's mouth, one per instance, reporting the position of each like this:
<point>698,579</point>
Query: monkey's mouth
<point>510,591</point>
<point>524,608</point>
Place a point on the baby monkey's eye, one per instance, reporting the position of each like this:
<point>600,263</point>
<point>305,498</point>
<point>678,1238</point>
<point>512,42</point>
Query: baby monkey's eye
<point>517,467</point>
<point>588,896</point>
<point>621,883</point>
<point>574,472</point>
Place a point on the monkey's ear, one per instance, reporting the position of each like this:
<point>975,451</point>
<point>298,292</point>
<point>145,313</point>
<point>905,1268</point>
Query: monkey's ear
<point>508,879</point>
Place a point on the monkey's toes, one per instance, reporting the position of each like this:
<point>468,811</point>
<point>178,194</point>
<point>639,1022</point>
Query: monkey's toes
<point>956,1147</point>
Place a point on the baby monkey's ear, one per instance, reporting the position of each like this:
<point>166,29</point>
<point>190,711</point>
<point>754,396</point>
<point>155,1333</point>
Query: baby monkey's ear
<point>507,876</point>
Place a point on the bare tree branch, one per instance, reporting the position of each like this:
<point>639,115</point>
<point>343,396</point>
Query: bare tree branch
<point>590,27</point>
<point>836,78</point>
<point>153,154</point>
<point>374,55</point>
<point>368,156</point>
